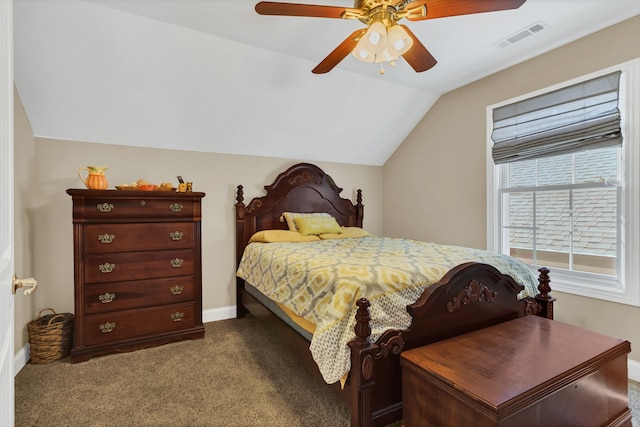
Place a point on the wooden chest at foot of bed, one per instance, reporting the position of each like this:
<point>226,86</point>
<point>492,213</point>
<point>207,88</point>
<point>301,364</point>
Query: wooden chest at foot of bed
<point>138,279</point>
<point>529,371</point>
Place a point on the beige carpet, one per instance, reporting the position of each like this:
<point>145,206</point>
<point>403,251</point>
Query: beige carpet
<point>634,402</point>
<point>236,376</point>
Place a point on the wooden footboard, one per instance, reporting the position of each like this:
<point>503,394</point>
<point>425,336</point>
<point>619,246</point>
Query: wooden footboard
<point>469,297</point>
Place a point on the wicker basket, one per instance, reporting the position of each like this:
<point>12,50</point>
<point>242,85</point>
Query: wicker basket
<point>50,336</point>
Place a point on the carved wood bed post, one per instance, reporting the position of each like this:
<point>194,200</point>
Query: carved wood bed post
<point>359,208</point>
<point>543,298</point>
<point>364,354</point>
<point>241,311</point>
<point>362,360</point>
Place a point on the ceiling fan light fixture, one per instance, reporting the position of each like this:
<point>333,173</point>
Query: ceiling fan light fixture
<point>374,45</point>
<point>383,42</point>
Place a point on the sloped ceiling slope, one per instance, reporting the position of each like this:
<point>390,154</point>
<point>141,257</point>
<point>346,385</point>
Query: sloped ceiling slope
<point>214,76</point>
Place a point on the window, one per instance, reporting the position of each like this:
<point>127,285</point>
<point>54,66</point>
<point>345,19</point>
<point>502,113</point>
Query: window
<point>562,211</point>
<point>566,196</point>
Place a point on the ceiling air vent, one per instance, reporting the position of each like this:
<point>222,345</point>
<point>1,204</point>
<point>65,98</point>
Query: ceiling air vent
<point>522,34</point>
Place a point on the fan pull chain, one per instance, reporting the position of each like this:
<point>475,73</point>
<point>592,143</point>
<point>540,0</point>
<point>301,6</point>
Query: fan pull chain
<point>381,72</point>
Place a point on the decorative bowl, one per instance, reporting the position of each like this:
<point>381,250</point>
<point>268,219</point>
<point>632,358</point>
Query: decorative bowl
<point>147,187</point>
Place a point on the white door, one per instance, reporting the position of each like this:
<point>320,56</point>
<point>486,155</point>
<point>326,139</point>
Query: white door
<point>7,396</point>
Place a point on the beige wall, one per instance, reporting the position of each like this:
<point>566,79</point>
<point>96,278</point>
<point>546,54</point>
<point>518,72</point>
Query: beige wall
<point>435,183</point>
<point>50,227</point>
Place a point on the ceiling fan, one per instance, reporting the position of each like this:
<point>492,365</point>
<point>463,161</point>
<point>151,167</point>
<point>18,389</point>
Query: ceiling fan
<point>384,40</point>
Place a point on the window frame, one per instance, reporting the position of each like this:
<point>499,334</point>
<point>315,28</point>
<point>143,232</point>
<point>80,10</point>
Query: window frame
<point>626,288</point>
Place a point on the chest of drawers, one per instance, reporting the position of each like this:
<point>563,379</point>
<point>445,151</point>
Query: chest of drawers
<point>137,269</point>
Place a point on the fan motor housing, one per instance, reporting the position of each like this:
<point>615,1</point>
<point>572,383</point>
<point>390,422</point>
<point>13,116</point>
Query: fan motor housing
<point>380,10</point>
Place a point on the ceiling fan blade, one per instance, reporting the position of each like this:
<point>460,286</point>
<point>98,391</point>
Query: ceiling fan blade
<point>310,10</point>
<point>418,56</point>
<point>339,53</point>
<point>445,8</point>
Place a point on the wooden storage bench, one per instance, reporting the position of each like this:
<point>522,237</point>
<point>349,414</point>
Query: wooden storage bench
<point>530,371</point>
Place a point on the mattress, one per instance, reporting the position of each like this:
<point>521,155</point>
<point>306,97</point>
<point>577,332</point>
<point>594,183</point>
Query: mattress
<point>320,282</point>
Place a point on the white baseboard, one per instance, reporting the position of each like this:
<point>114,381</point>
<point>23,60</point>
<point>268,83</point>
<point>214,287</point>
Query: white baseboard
<point>634,370</point>
<point>215,314</point>
<point>223,313</point>
<point>21,358</point>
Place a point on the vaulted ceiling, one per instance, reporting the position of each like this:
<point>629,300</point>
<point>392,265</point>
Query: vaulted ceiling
<point>214,76</point>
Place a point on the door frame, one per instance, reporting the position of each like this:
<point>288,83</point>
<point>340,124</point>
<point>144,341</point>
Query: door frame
<point>7,374</point>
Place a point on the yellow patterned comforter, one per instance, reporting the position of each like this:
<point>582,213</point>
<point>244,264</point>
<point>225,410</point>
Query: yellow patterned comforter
<point>321,282</point>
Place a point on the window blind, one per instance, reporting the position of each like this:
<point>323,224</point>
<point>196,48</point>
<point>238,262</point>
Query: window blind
<point>575,118</point>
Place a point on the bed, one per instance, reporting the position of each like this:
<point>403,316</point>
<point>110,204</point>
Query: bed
<point>469,296</point>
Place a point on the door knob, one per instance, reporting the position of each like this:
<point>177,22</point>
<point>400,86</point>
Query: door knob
<point>30,283</point>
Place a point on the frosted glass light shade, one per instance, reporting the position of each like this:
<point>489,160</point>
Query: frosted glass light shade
<point>385,56</point>
<point>362,53</point>
<point>375,40</point>
<point>399,41</point>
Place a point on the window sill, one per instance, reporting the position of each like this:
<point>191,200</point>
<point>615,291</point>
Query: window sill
<point>591,286</point>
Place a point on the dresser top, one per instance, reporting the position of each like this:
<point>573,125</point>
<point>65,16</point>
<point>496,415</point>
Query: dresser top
<point>79,192</point>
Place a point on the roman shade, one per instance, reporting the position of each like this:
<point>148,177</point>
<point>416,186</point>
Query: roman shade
<point>575,118</point>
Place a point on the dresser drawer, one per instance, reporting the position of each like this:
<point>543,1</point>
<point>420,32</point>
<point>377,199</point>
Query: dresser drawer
<point>137,265</point>
<point>122,325</point>
<point>138,293</point>
<point>106,208</point>
<point>106,238</point>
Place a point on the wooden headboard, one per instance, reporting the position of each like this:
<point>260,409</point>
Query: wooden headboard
<point>301,188</point>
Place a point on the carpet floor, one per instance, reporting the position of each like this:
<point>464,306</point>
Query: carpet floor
<point>634,402</point>
<point>238,375</point>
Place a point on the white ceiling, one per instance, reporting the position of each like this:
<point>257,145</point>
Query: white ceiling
<point>214,76</point>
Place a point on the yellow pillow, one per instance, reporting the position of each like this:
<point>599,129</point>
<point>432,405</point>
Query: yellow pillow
<point>347,232</point>
<point>317,225</point>
<point>291,216</point>
<point>273,236</point>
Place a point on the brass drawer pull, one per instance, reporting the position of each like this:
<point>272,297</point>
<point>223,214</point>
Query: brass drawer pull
<point>177,289</point>
<point>177,316</point>
<point>107,327</point>
<point>106,238</point>
<point>176,207</point>
<point>177,262</point>
<point>107,298</point>
<point>106,268</point>
<point>105,207</point>
<point>176,235</point>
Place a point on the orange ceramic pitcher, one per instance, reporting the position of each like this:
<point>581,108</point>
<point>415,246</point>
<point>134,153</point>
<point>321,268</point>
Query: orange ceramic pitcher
<point>95,179</point>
